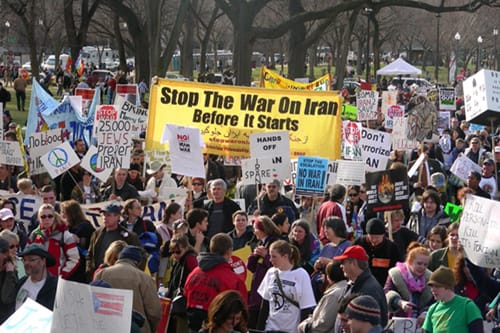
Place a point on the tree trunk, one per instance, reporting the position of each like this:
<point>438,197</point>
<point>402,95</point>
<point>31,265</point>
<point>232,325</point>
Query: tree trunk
<point>153,26</point>
<point>376,45</point>
<point>243,46</point>
<point>186,68</point>
<point>297,52</point>
<point>121,45</point>
<point>343,46</point>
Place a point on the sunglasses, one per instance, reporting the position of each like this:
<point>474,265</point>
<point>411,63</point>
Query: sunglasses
<point>176,252</point>
<point>353,194</point>
<point>43,217</point>
<point>13,246</point>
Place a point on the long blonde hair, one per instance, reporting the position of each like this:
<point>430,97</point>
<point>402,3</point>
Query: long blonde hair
<point>57,218</point>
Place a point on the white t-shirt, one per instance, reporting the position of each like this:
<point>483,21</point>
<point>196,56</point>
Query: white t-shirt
<point>28,289</point>
<point>489,185</point>
<point>283,315</point>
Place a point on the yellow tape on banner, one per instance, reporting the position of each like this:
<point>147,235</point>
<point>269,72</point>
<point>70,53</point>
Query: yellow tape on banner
<point>271,79</point>
<point>227,115</point>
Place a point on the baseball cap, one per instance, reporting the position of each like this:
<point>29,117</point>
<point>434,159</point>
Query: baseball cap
<point>5,214</point>
<point>489,161</point>
<point>353,252</point>
<point>112,208</point>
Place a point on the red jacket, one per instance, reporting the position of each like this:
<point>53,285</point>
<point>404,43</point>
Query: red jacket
<point>211,277</point>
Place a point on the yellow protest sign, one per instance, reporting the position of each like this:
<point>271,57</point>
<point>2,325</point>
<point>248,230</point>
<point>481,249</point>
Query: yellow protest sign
<point>270,79</point>
<point>227,115</point>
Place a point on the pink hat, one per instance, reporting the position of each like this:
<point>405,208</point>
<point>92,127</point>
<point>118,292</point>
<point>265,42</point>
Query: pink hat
<point>5,214</point>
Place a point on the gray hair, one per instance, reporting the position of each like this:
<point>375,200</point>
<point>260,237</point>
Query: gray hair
<point>9,236</point>
<point>218,182</point>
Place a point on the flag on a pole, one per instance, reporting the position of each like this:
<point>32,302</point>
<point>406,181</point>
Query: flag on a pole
<point>79,65</point>
<point>69,64</point>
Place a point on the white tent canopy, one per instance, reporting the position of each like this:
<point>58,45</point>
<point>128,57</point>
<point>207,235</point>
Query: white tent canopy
<point>399,67</point>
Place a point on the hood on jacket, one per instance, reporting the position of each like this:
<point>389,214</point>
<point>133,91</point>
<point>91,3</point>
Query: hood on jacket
<point>207,260</point>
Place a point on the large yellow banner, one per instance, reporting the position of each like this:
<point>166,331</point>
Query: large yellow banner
<point>227,115</point>
<point>271,79</point>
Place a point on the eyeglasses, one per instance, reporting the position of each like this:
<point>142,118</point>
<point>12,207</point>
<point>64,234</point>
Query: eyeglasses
<point>43,217</point>
<point>30,260</point>
<point>13,246</point>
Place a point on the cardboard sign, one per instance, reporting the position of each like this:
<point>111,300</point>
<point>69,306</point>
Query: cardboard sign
<point>482,97</point>
<point>60,159</point>
<point>113,136</point>
<point>403,325</point>
<point>375,149</point>
<point>30,317</point>
<point>258,171</point>
<point>87,96</point>
<point>136,115</point>
<point>350,172</point>
<point>443,121</point>
<point>387,190</point>
<point>10,153</point>
<point>462,166</point>
<point>399,139</point>
<point>89,163</point>
<point>447,99</point>
<point>275,145</point>
<point>129,92</point>
<point>39,144</point>
<point>81,308</point>
<point>351,138</point>
<point>311,175</point>
<point>392,112</point>
<point>349,112</point>
<point>367,104</point>
<point>389,98</point>
<point>478,231</point>
<point>422,121</point>
<point>185,145</point>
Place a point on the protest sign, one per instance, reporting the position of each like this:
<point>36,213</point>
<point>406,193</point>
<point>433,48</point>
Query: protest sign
<point>443,121</point>
<point>349,112</point>
<point>311,175</point>
<point>387,190</point>
<point>462,166</point>
<point>399,138</point>
<point>478,231</point>
<point>89,163</point>
<point>227,115</point>
<point>39,143</point>
<point>389,98</point>
<point>351,137</point>
<point>137,116</point>
<point>165,314</point>
<point>10,153</point>
<point>392,112</point>
<point>258,170</point>
<point>403,325</point>
<point>87,96</point>
<point>422,121</point>
<point>350,172</point>
<point>375,148</point>
<point>331,175</point>
<point>275,145</point>
<point>271,79</point>
<point>30,317</point>
<point>113,136</point>
<point>26,205</point>
<point>481,97</point>
<point>185,145</point>
<point>81,308</point>
<point>162,156</point>
<point>59,159</point>
<point>447,99</point>
<point>129,92</point>
<point>475,127</point>
<point>367,104</point>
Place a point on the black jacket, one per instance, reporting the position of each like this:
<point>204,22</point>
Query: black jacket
<point>47,295</point>
<point>366,284</point>
<point>228,209</point>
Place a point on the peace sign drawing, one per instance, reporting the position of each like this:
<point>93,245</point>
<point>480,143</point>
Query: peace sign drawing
<point>58,157</point>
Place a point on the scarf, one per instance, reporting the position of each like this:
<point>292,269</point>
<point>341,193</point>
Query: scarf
<point>414,284</point>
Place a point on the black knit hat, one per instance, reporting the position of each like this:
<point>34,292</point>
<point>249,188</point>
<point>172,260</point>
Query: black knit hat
<point>375,226</point>
<point>364,308</point>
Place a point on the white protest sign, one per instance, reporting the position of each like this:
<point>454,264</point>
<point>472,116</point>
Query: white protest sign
<point>367,104</point>
<point>89,163</point>
<point>392,112</point>
<point>481,97</point>
<point>462,166</point>
<point>128,91</point>
<point>258,171</point>
<point>162,156</point>
<point>113,136</point>
<point>81,308</point>
<point>413,171</point>
<point>30,317</point>
<point>403,325</point>
<point>375,148</point>
<point>10,153</point>
<point>39,143</point>
<point>350,172</point>
<point>399,137</point>
<point>447,99</point>
<point>443,121</point>
<point>389,98</point>
<point>275,145</point>
<point>185,144</point>
<point>351,138</point>
<point>478,231</point>
<point>60,159</point>
<point>26,205</point>
<point>136,115</point>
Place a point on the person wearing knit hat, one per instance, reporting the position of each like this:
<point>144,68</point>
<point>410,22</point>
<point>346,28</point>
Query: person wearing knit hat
<point>363,315</point>
<point>451,312</point>
<point>127,273</point>
<point>383,253</point>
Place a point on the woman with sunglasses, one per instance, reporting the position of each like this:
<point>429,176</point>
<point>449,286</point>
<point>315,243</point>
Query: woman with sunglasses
<point>13,240</point>
<point>185,260</point>
<point>54,235</point>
